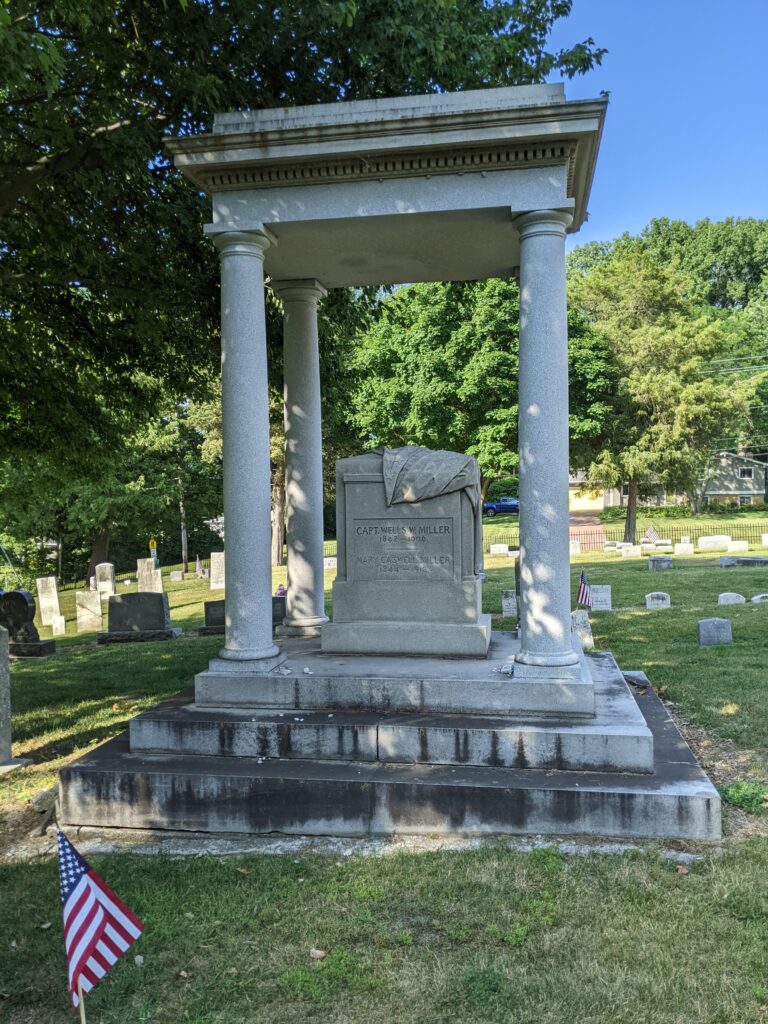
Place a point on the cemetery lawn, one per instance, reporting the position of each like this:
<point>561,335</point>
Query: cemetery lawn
<point>485,935</point>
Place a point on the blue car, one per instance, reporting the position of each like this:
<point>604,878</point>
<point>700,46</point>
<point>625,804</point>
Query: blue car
<point>501,506</point>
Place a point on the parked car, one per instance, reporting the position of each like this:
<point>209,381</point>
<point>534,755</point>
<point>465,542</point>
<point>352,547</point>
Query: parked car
<point>501,506</point>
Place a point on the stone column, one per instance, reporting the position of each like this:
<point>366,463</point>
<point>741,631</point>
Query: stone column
<point>8,762</point>
<point>245,415</point>
<point>546,648</point>
<point>305,604</point>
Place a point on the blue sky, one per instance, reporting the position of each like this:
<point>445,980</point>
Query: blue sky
<point>686,134</point>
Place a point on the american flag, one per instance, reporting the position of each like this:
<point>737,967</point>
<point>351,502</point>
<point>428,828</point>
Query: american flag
<point>98,927</point>
<point>652,534</point>
<point>584,595</point>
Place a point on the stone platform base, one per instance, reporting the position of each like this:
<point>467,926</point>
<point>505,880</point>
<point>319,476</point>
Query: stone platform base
<point>33,649</point>
<point>138,636</point>
<point>211,631</point>
<point>299,794</point>
<point>12,765</point>
<point>455,640</point>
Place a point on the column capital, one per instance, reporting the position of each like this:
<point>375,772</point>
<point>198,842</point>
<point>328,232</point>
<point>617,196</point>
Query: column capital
<point>543,222</point>
<point>299,290</point>
<point>244,243</point>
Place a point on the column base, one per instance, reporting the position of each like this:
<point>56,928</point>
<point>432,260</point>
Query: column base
<point>255,663</point>
<point>6,767</point>
<point>302,627</point>
<point>565,666</point>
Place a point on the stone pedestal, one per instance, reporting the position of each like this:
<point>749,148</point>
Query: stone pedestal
<point>8,762</point>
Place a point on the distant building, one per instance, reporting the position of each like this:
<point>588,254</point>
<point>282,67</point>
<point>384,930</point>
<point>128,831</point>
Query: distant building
<point>735,480</point>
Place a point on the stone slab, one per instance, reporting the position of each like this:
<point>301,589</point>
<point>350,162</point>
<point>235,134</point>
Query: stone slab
<point>657,599</point>
<point>214,612</point>
<point>759,598</point>
<point>88,608</point>
<point>380,683</point>
<point>59,625</point>
<point>715,631</point>
<point>738,545</point>
<point>715,542</point>
<point>136,613</point>
<point>330,562</point>
<point>752,562</point>
<point>47,600</point>
<point>110,786</point>
<point>582,628</point>
<point>631,551</point>
<point>217,571</point>
<point>498,549</point>
<point>453,639</point>
<point>601,597</point>
<point>509,603</point>
<point>615,740</point>
<point>731,598</point>
<point>658,563</point>
<point>574,547</point>
<point>5,699</point>
<point>764,540</point>
<point>684,549</point>
<point>137,636</point>
<point>177,576</point>
<point>105,579</point>
<point>32,649</point>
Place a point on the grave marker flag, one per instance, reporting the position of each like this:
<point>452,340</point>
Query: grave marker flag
<point>584,595</point>
<point>98,927</point>
<point>652,534</point>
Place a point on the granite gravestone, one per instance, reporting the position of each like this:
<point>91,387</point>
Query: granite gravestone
<point>731,598</point>
<point>138,617</point>
<point>658,599</point>
<point>715,542</point>
<point>498,549</point>
<point>737,546</point>
<point>601,597</point>
<point>684,548</point>
<point>658,563</point>
<point>732,561</point>
<point>48,600</point>
<point>17,614</point>
<point>215,615</point>
<point>218,572</point>
<point>631,551</point>
<point>759,598</point>
<point>176,576</point>
<point>581,627</point>
<point>88,606</point>
<point>7,761</point>
<point>715,631</point>
<point>764,540</point>
<point>509,603</point>
<point>574,547</point>
<point>105,580</point>
<point>409,535</point>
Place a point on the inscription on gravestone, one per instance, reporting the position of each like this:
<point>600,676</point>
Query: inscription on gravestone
<point>730,598</point>
<point>509,603</point>
<point>601,597</point>
<point>48,600</point>
<point>658,599</point>
<point>715,631</point>
<point>217,570</point>
<point>407,549</point>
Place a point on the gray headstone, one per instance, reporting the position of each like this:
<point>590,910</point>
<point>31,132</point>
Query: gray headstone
<point>658,599</point>
<point>218,578</point>
<point>139,613</point>
<point>631,551</point>
<point>581,627</point>
<point>715,542</point>
<point>715,631</point>
<point>601,597</point>
<point>88,606</point>
<point>47,600</point>
<point>145,567</point>
<point>574,547</point>
<point>732,561</point>
<point>730,598</point>
<point>5,699</point>
<point>105,579</point>
<point>684,548</point>
<point>177,576</point>
<point>759,598</point>
<point>509,603</point>
<point>214,614</point>
<point>657,563</point>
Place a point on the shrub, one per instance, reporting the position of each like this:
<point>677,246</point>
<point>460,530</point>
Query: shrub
<point>506,487</point>
<point>749,796</point>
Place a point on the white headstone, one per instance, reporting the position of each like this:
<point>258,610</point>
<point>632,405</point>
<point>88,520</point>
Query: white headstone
<point>658,599</point>
<point>738,545</point>
<point>581,627</point>
<point>764,539</point>
<point>88,606</point>
<point>684,549</point>
<point>59,625</point>
<point>685,539</point>
<point>105,580</point>
<point>601,597</point>
<point>47,600</point>
<point>330,562</point>
<point>715,542</point>
<point>217,570</point>
<point>177,576</point>
<point>662,545</point>
<point>631,551</point>
<point>145,567</point>
<point>759,598</point>
<point>498,549</point>
<point>730,598</point>
<point>657,563</point>
<point>575,547</point>
<point>509,603</point>
<point>715,631</point>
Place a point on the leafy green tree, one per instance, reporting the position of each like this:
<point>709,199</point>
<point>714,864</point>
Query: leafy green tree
<point>667,409</point>
<point>109,288</point>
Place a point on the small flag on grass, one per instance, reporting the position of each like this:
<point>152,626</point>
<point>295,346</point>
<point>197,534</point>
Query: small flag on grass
<point>584,595</point>
<point>98,927</point>
<point>652,534</point>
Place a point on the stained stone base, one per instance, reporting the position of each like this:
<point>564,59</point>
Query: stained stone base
<point>33,649</point>
<point>138,636</point>
<point>12,765</point>
<point>428,639</point>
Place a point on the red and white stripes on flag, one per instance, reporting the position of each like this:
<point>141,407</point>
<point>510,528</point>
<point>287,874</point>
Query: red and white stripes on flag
<point>98,927</point>
<point>584,595</point>
<point>652,534</point>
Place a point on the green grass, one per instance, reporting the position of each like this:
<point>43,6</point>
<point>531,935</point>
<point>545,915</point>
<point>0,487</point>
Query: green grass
<point>485,936</point>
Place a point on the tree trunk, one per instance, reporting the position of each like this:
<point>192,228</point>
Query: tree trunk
<point>631,524</point>
<point>99,552</point>
<point>60,547</point>
<point>485,483</point>
<point>184,551</point>
<point>278,514</point>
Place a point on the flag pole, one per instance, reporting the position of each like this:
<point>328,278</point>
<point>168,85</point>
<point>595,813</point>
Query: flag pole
<point>81,998</point>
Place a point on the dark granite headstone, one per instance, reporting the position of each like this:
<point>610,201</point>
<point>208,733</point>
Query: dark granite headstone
<point>214,616</point>
<point>137,617</point>
<point>17,613</point>
<point>731,561</point>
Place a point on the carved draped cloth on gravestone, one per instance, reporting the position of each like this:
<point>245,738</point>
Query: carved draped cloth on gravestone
<point>17,611</point>
<point>409,531</point>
